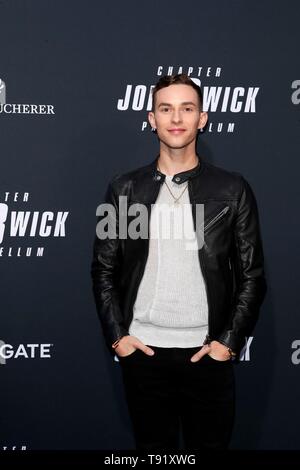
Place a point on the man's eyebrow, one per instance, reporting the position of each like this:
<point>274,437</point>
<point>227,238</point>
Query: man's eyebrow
<point>183,103</point>
<point>189,102</point>
<point>164,104</point>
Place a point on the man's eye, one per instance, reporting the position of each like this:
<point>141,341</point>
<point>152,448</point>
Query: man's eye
<point>165,109</point>
<point>188,109</point>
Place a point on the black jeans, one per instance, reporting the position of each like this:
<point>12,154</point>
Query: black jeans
<point>167,390</point>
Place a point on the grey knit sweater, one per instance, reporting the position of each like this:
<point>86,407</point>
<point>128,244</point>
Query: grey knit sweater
<point>171,305</point>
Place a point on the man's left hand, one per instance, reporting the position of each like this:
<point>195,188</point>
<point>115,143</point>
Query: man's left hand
<point>214,349</point>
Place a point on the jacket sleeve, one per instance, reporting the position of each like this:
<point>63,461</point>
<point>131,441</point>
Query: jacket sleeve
<point>104,272</point>
<point>248,264</point>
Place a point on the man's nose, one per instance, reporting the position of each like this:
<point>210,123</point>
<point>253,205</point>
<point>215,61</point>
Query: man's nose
<point>176,116</point>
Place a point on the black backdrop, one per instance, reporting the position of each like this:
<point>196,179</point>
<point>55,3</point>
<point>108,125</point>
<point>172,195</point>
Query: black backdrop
<point>74,60</point>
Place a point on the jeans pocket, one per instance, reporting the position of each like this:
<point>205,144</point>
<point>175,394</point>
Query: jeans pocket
<point>128,356</point>
<point>217,360</point>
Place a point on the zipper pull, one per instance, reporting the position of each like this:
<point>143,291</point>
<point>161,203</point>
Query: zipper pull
<point>207,339</point>
<point>217,217</point>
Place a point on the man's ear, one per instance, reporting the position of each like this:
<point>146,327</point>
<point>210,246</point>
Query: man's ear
<point>151,119</point>
<point>203,120</point>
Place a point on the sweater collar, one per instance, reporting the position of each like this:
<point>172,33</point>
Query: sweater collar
<point>178,177</point>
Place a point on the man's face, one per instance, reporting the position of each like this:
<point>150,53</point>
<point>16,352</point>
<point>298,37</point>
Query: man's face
<point>177,116</point>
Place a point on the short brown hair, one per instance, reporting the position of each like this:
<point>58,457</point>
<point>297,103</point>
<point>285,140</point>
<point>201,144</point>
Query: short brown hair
<point>179,79</point>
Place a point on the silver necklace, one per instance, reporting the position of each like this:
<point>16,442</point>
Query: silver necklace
<point>176,199</point>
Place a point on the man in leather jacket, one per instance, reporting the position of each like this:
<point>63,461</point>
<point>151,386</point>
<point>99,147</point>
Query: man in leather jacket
<point>176,318</point>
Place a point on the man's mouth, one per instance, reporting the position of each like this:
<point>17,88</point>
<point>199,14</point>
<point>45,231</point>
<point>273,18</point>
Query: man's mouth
<point>177,130</point>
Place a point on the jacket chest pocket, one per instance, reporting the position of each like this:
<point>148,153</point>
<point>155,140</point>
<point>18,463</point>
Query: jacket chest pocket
<point>216,219</point>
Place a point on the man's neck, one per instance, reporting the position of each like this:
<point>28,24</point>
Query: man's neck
<point>171,165</point>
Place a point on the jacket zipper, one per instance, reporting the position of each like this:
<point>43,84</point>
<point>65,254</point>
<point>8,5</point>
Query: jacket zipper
<point>201,260</point>
<point>208,338</point>
<point>217,217</point>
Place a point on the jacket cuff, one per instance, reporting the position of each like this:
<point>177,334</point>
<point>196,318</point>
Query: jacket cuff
<point>230,340</point>
<point>116,335</point>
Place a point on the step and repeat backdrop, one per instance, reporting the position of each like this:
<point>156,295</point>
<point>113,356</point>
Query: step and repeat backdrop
<point>75,83</point>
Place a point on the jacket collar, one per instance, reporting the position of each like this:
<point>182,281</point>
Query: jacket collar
<point>178,177</point>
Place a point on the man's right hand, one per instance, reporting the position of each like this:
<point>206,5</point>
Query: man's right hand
<point>128,344</point>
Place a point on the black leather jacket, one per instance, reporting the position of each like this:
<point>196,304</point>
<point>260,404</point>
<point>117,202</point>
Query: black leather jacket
<point>231,258</point>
